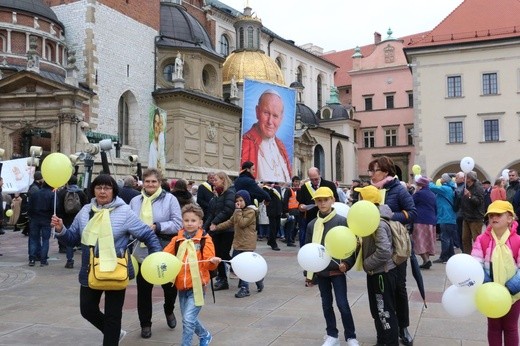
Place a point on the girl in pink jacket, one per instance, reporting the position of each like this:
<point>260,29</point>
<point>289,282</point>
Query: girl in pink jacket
<point>498,251</point>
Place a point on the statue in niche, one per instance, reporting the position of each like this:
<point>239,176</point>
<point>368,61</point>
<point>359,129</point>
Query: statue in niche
<point>234,87</point>
<point>179,66</point>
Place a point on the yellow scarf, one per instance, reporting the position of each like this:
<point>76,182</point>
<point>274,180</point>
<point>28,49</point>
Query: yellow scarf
<point>504,266</point>
<point>317,232</point>
<point>189,246</point>
<point>99,230</point>
<point>146,208</point>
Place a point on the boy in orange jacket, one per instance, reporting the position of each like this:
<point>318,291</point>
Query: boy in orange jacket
<point>196,251</point>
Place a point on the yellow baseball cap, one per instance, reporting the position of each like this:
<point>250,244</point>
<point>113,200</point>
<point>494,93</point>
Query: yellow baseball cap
<point>369,193</point>
<point>500,207</point>
<point>323,192</point>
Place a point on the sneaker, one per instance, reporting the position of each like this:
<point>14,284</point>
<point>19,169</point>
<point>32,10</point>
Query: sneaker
<point>44,264</point>
<point>352,342</point>
<point>69,265</point>
<point>330,341</point>
<point>243,292</point>
<point>122,334</point>
<point>439,260</point>
<point>221,285</point>
<point>31,263</point>
<point>205,340</point>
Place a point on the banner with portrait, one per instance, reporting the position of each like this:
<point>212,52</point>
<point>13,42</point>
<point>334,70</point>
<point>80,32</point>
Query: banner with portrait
<point>157,139</point>
<point>268,117</point>
<point>17,175</point>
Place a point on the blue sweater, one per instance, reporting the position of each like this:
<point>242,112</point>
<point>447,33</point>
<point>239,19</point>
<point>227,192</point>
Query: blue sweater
<point>444,199</point>
<point>125,223</point>
<point>426,206</point>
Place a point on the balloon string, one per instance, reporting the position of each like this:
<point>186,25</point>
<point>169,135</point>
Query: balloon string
<point>53,229</point>
<point>204,261</point>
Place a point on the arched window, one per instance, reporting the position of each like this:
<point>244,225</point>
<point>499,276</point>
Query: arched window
<point>299,75</point>
<point>319,159</point>
<point>319,92</point>
<point>168,72</point>
<point>339,162</point>
<point>278,62</point>
<point>241,38</point>
<point>250,33</point>
<point>123,120</point>
<point>224,45</point>
<point>3,43</point>
<point>48,52</point>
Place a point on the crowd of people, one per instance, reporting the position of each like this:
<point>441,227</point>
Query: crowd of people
<point>220,218</point>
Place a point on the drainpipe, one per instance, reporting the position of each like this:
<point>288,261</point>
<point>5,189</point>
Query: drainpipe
<point>331,158</point>
<point>271,39</point>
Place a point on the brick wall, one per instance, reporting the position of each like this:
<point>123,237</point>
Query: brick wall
<point>115,56</point>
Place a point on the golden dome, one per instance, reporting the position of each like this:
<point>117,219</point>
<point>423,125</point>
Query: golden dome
<point>252,65</point>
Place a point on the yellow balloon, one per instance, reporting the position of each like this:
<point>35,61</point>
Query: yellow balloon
<point>160,268</point>
<point>493,300</point>
<point>56,169</point>
<point>340,242</point>
<point>363,218</point>
<point>438,182</point>
<point>416,169</point>
<point>135,264</point>
<point>9,213</point>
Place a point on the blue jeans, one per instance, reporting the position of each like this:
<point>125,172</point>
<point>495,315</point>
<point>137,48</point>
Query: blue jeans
<point>242,283</point>
<point>39,235</point>
<point>338,283</point>
<point>190,318</point>
<point>263,230</point>
<point>449,237</point>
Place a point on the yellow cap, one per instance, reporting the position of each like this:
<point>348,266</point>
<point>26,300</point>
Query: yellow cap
<point>323,192</point>
<point>500,207</point>
<point>369,193</point>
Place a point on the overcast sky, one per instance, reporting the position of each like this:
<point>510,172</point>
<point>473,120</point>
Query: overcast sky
<point>344,24</point>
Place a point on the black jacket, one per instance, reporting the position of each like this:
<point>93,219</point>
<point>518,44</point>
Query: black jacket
<point>305,197</point>
<point>245,181</point>
<point>221,209</point>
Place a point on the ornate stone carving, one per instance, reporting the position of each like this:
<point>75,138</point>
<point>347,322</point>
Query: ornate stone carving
<point>212,131</point>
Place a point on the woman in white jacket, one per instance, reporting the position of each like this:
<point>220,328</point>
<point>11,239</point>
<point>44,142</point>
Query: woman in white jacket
<point>162,212</point>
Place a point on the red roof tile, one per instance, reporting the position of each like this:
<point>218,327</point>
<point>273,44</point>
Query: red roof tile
<point>476,20</point>
<point>344,58</point>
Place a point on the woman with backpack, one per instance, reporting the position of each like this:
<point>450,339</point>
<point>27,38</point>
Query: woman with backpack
<point>383,176</point>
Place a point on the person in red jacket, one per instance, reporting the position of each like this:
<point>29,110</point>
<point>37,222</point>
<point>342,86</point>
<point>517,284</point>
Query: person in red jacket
<point>260,144</point>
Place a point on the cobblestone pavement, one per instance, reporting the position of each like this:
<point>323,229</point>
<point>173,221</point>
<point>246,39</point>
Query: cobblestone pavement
<point>39,306</point>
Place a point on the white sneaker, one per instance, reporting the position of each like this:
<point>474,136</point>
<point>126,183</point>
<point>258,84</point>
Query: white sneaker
<point>122,334</point>
<point>352,342</point>
<point>330,341</point>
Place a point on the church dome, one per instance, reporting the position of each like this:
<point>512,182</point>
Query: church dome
<point>181,29</point>
<point>252,65</point>
<point>307,116</point>
<point>35,7</point>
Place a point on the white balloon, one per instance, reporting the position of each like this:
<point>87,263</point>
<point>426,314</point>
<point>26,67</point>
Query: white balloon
<point>417,177</point>
<point>459,302</point>
<point>313,257</point>
<point>464,271</point>
<point>505,174</point>
<point>341,208</point>
<point>249,266</point>
<point>467,164</point>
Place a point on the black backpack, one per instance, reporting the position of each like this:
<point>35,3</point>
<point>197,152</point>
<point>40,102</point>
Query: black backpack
<point>72,203</point>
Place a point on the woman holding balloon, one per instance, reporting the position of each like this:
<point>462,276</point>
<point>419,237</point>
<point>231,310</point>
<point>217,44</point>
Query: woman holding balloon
<point>106,223</point>
<point>382,175</point>
<point>161,211</point>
